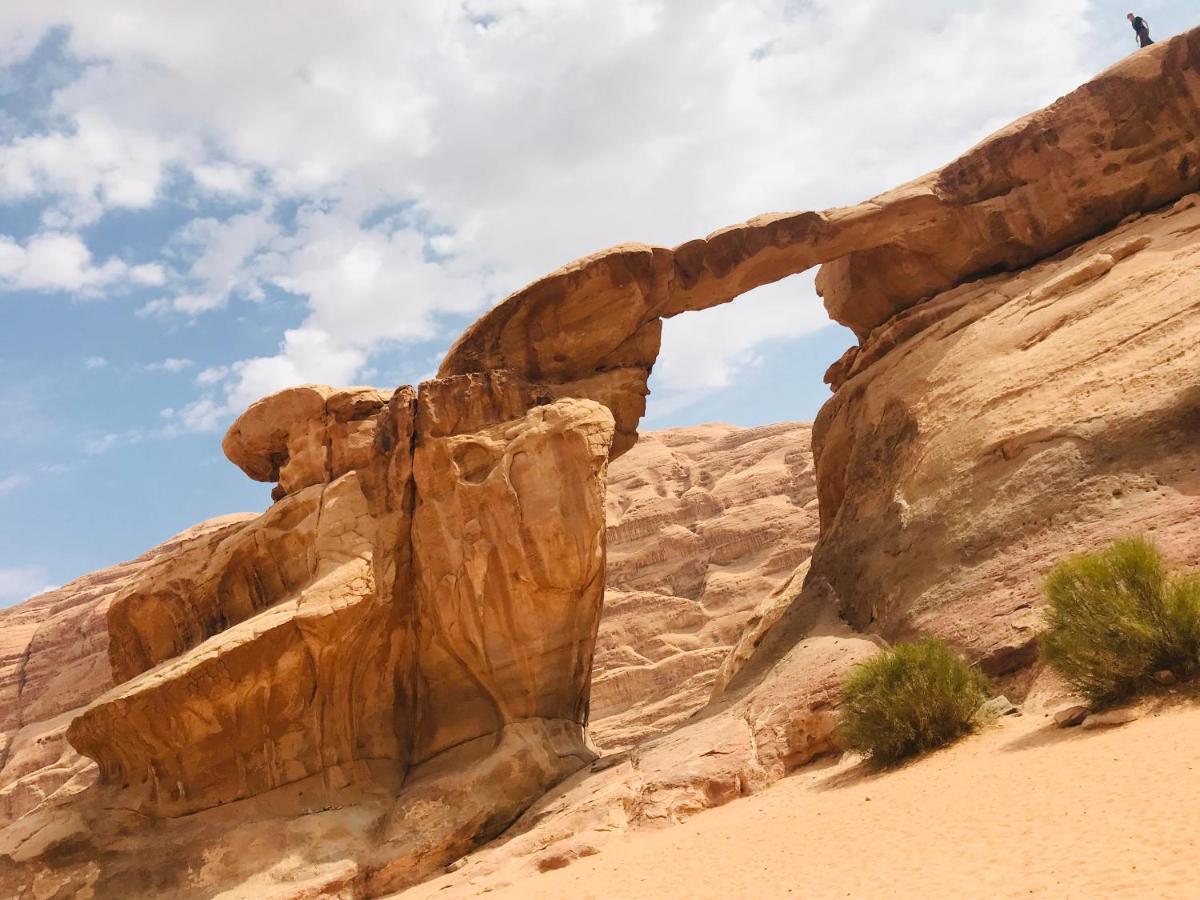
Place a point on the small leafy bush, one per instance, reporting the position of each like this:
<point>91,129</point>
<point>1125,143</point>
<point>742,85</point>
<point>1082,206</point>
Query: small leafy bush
<point>1116,617</point>
<point>908,700</point>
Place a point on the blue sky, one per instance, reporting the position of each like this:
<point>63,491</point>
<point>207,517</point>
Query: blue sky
<point>203,203</point>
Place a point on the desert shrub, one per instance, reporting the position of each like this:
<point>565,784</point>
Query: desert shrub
<point>1116,617</point>
<point>909,699</point>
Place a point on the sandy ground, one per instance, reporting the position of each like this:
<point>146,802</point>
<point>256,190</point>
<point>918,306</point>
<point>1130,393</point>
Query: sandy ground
<point>1022,809</point>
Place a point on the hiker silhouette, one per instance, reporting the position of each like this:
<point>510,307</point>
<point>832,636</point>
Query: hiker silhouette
<point>1141,28</point>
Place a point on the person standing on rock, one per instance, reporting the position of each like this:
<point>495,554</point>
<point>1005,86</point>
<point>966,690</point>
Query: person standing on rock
<point>1141,28</point>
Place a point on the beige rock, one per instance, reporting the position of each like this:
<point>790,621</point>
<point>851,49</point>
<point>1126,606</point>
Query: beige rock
<point>419,626</point>
<point>1112,718</point>
<point>702,523</point>
<point>1070,716</point>
<point>508,542</point>
<point>53,661</point>
<point>1019,422</point>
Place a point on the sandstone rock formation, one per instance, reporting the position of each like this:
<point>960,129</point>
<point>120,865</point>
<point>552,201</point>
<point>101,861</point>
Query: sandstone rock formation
<point>703,523</point>
<point>1123,143</point>
<point>53,661</point>
<point>1062,414</point>
<point>416,614</point>
<point>389,665</point>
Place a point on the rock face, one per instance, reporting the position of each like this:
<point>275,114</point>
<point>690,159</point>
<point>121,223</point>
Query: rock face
<point>1063,415</point>
<point>416,614</point>
<point>437,589</point>
<point>53,661</point>
<point>703,523</point>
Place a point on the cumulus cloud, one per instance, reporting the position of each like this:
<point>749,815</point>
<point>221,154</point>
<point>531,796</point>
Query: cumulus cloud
<point>434,157</point>
<point>10,483</point>
<point>61,262</point>
<point>202,415</point>
<point>95,362</point>
<point>212,375</point>
<point>171,364</point>
<point>94,165</point>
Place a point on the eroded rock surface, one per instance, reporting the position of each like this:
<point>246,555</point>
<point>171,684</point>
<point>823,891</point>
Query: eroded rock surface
<point>703,523</point>
<point>1063,414</point>
<point>53,661</point>
<point>413,618</point>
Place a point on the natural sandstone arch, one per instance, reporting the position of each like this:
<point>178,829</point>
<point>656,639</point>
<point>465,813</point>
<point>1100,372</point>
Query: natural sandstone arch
<point>1126,142</point>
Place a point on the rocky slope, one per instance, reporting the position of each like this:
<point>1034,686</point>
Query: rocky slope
<point>53,661</point>
<point>704,524</point>
<point>744,498</point>
<point>1010,422</point>
<point>388,666</point>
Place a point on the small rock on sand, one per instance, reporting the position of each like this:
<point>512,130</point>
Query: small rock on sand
<point>1070,716</point>
<point>1110,718</point>
<point>998,706</point>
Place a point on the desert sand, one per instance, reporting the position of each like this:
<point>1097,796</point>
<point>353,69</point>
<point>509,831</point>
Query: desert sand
<point>1021,809</point>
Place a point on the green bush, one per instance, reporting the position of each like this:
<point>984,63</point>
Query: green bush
<point>1116,617</point>
<point>909,699</point>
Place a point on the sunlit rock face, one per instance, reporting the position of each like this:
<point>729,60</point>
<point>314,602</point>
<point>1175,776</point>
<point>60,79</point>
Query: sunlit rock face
<point>704,523</point>
<point>1002,425</point>
<point>434,588</point>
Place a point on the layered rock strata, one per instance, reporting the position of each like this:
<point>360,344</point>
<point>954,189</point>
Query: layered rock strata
<point>703,523</point>
<point>414,618</point>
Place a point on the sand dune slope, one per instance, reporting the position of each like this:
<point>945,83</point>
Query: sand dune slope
<point>1022,809</point>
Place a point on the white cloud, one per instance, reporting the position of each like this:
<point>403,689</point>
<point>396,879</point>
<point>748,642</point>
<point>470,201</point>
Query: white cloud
<point>204,414</point>
<point>224,178</point>
<point>58,261</point>
<point>212,375</point>
<point>502,152</point>
<point>97,164</point>
<point>149,274</point>
<point>112,440</point>
<point>22,582</point>
<point>95,362</point>
<point>171,365</point>
<point>10,483</point>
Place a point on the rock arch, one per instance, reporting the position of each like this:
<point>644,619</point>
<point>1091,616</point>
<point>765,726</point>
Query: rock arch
<point>1125,142</point>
